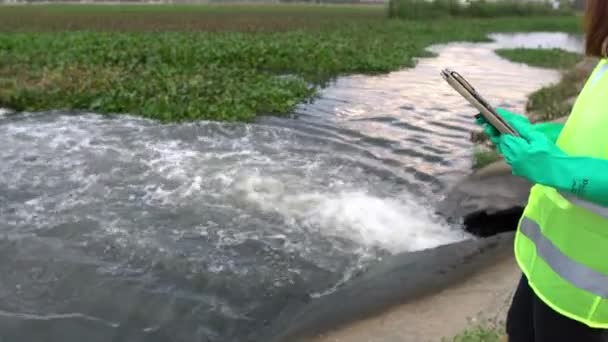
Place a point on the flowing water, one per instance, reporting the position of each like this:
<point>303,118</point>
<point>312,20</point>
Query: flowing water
<point>122,229</point>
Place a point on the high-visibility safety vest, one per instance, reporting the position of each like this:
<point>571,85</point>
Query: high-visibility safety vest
<point>561,243</point>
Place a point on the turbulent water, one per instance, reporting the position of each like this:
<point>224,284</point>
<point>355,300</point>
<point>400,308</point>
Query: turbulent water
<point>123,229</point>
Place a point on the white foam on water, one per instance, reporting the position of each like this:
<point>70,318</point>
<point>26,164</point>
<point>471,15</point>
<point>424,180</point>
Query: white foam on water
<point>397,224</point>
<point>109,168</point>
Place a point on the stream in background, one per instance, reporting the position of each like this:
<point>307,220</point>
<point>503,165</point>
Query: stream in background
<point>122,229</point>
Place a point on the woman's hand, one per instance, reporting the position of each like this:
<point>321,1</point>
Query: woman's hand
<point>530,155</point>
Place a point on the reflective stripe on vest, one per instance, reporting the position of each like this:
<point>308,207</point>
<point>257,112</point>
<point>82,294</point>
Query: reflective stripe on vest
<point>579,275</point>
<point>593,207</point>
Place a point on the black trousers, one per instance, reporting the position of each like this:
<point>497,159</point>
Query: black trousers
<point>530,320</point>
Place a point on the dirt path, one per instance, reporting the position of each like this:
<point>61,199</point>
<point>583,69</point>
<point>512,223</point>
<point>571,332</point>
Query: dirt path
<point>485,296</point>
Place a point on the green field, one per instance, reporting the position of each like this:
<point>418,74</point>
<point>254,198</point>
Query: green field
<point>417,9</point>
<point>211,62</point>
<point>211,18</point>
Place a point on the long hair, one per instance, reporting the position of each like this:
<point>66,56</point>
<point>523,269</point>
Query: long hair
<point>596,27</point>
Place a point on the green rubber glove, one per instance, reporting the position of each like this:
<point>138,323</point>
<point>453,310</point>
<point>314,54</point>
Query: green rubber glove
<point>509,117</point>
<point>536,158</point>
<point>550,129</point>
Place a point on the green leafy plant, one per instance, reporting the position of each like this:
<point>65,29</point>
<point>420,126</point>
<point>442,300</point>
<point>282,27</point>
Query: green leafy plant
<point>187,62</point>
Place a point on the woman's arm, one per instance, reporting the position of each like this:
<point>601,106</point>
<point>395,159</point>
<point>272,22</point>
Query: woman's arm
<point>584,177</point>
<point>537,158</point>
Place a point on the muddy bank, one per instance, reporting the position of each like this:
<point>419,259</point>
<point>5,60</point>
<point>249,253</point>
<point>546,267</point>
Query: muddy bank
<point>397,280</point>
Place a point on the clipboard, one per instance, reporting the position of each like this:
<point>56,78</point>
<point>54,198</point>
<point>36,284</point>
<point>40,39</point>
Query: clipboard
<point>466,90</point>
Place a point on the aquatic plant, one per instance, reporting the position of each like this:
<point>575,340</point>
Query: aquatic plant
<point>218,62</point>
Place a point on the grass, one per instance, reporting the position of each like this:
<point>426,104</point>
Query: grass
<point>544,58</point>
<point>417,9</point>
<point>483,157</point>
<point>549,103</point>
<point>187,62</point>
<point>478,333</point>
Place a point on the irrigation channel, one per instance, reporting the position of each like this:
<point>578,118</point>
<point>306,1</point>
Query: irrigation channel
<point>117,228</point>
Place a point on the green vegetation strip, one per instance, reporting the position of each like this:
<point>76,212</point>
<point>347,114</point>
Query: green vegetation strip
<point>210,62</point>
<point>553,102</point>
<point>544,58</point>
<point>479,333</point>
<point>550,102</point>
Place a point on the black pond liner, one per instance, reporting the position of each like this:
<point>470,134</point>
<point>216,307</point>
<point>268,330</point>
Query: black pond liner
<point>394,281</point>
<point>401,278</point>
<point>482,224</point>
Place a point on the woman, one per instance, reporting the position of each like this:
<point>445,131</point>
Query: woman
<point>561,243</point>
